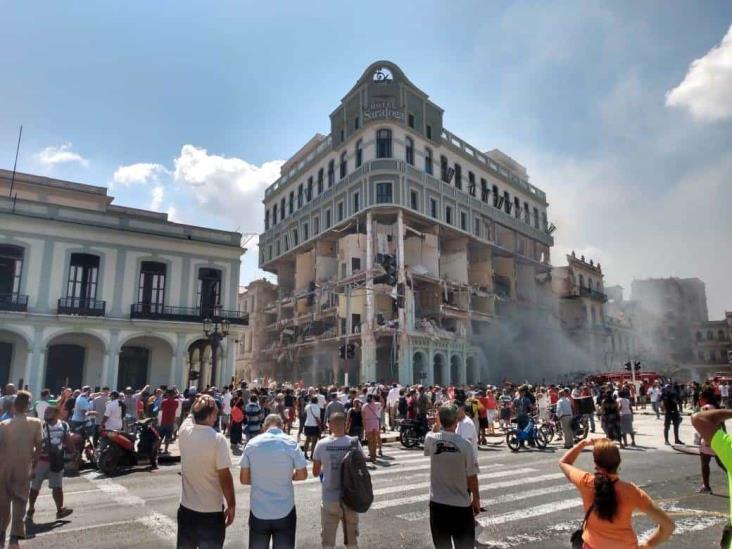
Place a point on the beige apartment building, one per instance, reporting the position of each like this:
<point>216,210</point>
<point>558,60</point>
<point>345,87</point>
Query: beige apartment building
<point>400,245</point>
<point>252,301</point>
<point>712,346</point>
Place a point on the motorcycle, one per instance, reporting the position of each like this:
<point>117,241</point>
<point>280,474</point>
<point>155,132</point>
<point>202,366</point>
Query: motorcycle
<point>516,438</point>
<point>80,448</point>
<point>412,431</point>
<point>116,449</point>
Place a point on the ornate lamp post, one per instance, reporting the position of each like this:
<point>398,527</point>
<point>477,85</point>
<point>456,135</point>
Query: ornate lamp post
<point>215,331</point>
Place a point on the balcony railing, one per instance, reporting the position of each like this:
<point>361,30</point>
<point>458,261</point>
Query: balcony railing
<point>154,311</point>
<point>81,306</point>
<point>593,294</point>
<point>13,302</point>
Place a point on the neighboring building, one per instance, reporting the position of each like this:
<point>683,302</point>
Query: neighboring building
<point>712,342</point>
<point>252,300</point>
<point>398,237</point>
<point>97,294</point>
<point>579,286</point>
<point>623,344</point>
<point>665,311</point>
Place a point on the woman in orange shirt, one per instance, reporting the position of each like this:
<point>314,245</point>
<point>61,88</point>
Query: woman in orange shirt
<point>609,502</point>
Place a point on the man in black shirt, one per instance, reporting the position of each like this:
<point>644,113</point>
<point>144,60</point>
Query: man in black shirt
<point>671,406</point>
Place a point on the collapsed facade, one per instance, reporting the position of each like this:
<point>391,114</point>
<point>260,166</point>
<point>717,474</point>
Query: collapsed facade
<point>401,248</point>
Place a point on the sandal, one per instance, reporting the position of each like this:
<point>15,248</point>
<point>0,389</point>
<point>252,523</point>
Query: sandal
<point>63,512</point>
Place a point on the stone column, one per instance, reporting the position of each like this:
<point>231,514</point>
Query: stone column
<point>367,371</point>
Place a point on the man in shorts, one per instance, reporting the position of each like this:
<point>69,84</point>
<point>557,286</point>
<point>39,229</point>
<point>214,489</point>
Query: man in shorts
<point>169,410</point>
<point>55,437</point>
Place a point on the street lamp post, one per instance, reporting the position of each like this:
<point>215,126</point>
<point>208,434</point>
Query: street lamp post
<point>216,330</point>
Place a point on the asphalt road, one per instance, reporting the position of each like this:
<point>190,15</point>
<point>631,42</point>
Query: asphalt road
<point>529,502</point>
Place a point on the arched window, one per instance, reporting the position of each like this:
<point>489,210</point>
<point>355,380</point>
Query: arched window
<point>383,143</point>
<point>344,164</point>
<point>589,283</point>
<point>359,153</point>
<point>428,160</point>
<point>11,267</point>
<point>409,151</point>
<point>581,281</point>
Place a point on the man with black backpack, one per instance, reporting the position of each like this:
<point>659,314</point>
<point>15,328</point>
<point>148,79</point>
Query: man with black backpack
<point>346,483</point>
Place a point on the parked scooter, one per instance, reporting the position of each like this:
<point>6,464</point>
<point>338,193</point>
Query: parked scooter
<point>80,448</point>
<point>117,449</point>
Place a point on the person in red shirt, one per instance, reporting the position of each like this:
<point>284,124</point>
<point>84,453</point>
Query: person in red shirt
<point>553,395</point>
<point>169,411</point>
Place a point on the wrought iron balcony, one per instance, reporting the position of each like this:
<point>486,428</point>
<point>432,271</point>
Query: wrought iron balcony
<point>13,302</point>
<point>155,311</point>
<point>593,294</point>
<point>81,306</point>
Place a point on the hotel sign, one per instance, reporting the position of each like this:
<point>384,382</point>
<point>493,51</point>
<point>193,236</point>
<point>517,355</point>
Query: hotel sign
<point>383,110</point>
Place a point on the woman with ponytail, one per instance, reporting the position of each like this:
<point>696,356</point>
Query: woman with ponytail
<point>609,502</point>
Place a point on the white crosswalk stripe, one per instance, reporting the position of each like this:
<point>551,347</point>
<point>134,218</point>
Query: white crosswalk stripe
<point>529,512</point>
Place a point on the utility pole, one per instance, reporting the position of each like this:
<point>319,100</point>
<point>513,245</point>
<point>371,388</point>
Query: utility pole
<point>348,330</point>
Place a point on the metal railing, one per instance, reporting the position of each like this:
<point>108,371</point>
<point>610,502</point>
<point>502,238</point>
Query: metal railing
<point>81,306</point>
<point>156,311</point>
<point>592,294</point>
<point>13,302</point>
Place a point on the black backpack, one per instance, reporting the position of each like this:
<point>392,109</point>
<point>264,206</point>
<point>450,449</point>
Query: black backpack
<point>356,490</point>
<point>402,407</point>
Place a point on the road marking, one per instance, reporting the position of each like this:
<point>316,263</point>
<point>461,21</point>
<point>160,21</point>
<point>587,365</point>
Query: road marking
<point>62,530</point>
<point>496,486</point>
<point>69,493</point>
<point>487,522</point>
<point>506,498</point>
<point>691,524</point>
<point>161,525</point>
<point>422,485</point>
<point>533,539</point>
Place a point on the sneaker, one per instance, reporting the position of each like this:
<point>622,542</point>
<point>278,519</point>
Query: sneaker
<point>679,443</point>
<point>703,490</point>
<point>667,443</point>
<point>63,512</point>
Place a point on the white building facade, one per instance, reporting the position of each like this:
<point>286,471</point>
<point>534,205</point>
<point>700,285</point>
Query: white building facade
<point>97,294</point>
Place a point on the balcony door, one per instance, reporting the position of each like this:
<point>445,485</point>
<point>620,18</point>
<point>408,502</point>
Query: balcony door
<point>6,357</point>
<point>209,291</point>
<point>81,290</point>
<point>11,266</point>
<point>151,289</point>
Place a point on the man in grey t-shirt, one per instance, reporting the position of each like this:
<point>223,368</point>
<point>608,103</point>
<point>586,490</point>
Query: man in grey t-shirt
<point>327,458</point>
<point>454,492</point>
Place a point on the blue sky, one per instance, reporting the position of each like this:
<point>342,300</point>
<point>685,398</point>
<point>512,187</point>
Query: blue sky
<point>620,111</point>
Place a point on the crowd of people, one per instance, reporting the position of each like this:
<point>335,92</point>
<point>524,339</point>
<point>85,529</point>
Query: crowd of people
<point>257,424</point>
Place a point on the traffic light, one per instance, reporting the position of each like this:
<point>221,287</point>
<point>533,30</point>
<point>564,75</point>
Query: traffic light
<point>194,375</point>
<point>348,351</point>
<point>637,365</point>
<point>342,351</point>
<point>627,366</point>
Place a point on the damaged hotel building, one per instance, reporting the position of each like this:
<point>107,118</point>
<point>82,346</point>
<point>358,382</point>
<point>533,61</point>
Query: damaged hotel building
<point>400,245</point>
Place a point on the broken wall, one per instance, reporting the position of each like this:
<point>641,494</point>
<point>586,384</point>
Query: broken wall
<point>454,260</point>
<point>422,254</point>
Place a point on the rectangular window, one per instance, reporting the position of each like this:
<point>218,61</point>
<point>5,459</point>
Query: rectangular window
<point>536,218</point>
<point>410,120</point>
<point>300,196</point>
<point>433,208</point>
<point>413,200</point>
<point>444,169</point>
<point>355,264</point>
<point>506,202</point>
<point>340,211</point>
<point>274,215</point>
<point>495,196</point>
<point>269,252</point>
<point>151,290</point>
<point>295,237</point>
<point>527,213</point>
<point>516,207</point>
<point>343,135</point>
<point>277,247</point>
<point>356,123</point>
<point>409,151</point>
<point>316,225</point>
<point>305,231</point>
<point>344,165</point>
<point>309,192</point>
<point>471,183</point>
<point>331,173</point>
<point>428,161</point>
<point>383,143</point>
<point>484,189</point>
<point>448,215</point>
<point>476,226</point>
<point>383,193</point>
<point>428,130</point>
<point>282,208</point>
<point>291,202</point>
<point>266,220</point>
<point>355,323</point>
<point>463,221</point>
<point>458,176</point>
<point>82,281</point>
<point>287,243</point>
<point>327,219</point>
<point>356,202</point>
<point>320,181</point>
<point>544,222</point>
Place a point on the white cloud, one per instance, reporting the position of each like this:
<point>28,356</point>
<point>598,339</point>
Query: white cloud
<point>226,187</point>
<point>142,172</point>
<point>50,156</point>
<point>173,215</point>
<point>706,91</point>
<point>158,194</point>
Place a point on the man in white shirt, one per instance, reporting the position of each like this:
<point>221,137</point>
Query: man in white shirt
<point>225,410</point>
<point>392,399</point>
<point>112,419</point>
<point>206,478</point>
<point>466,429</point>
<point>654,393</point>
<point>724,393</point>
<point>565,415</point>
